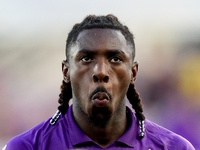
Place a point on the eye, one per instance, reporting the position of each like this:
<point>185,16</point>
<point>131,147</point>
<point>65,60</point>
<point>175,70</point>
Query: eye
<point>86,59</point>
<point>115,59</point>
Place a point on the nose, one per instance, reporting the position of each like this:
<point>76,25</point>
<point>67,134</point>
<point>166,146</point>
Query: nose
<point>100,72</point>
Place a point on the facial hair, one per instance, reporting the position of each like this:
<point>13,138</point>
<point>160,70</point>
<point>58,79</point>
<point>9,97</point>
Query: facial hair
<point>100,115</point>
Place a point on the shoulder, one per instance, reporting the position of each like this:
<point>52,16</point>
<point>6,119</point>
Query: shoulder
<point>33,138</point>
<point>165,137</point>
<point>28,139</point>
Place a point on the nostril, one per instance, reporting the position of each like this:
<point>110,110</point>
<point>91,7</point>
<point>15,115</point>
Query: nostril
<point>95,78</point>
<point>105,79</point>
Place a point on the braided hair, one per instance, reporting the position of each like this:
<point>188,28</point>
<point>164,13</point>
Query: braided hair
<point>64,96</point>
<point>109,22</point>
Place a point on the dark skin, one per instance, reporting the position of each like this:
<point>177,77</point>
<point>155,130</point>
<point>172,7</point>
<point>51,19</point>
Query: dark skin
<point>100,58</point>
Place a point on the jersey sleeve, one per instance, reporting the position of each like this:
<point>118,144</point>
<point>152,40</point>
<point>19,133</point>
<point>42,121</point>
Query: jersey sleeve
<point>17,143</point>
<point>181,143</point>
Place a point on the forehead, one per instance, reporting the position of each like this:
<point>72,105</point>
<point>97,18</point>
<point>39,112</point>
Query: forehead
<point>95,39</point>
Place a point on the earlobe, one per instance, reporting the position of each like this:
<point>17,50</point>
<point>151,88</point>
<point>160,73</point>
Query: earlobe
<point>134,72</point>
<point>65,70</point>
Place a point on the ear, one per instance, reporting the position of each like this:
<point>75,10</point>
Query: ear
<point>65,70</point>
<point>134,72</point>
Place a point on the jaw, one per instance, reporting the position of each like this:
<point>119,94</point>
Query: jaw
<point>96,115</point>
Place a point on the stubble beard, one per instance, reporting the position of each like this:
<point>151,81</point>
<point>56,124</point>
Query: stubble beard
<point>99,117</point>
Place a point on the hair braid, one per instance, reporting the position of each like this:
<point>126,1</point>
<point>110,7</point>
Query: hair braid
<point>64,97</point>
<point>136,102</point>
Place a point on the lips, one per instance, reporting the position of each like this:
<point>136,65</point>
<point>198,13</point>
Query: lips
<point>100,99</point>
<point>100,96</point>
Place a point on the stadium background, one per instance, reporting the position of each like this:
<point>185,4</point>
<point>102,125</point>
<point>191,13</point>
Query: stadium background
<point>32,44</point>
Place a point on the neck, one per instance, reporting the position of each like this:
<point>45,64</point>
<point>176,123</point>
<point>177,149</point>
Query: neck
<point>106,135</point>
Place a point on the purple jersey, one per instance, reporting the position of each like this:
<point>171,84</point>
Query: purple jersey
<point>65,134</point>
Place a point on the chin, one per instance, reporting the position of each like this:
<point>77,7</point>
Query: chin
<point>100,116</point>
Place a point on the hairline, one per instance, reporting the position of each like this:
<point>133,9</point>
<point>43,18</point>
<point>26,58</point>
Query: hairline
<point>74,42</point>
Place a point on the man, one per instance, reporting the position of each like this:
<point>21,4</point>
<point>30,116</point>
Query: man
<point>99,74</point>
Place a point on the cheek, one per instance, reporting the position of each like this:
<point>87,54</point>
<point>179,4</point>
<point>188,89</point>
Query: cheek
<point>80,73</point>
<point>122,80</point>
<point>123,75</point>
<point>80,90</point>
<point>80,79</point>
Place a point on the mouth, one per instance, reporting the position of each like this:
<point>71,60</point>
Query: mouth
<point>101,96</point>
<point>100,99</point>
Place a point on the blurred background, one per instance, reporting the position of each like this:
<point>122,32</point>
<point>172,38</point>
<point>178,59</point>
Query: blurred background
<point>32,44</point>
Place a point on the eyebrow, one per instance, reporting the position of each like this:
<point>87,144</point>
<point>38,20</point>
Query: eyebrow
<point>86,51</point>
<point>110,52</point>
<point>115,51</point>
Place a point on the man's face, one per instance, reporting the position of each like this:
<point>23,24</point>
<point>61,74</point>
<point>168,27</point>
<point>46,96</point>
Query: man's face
<point>100,68</point>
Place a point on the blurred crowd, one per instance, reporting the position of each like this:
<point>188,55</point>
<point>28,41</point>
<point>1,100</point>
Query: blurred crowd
<point>168,83</point>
